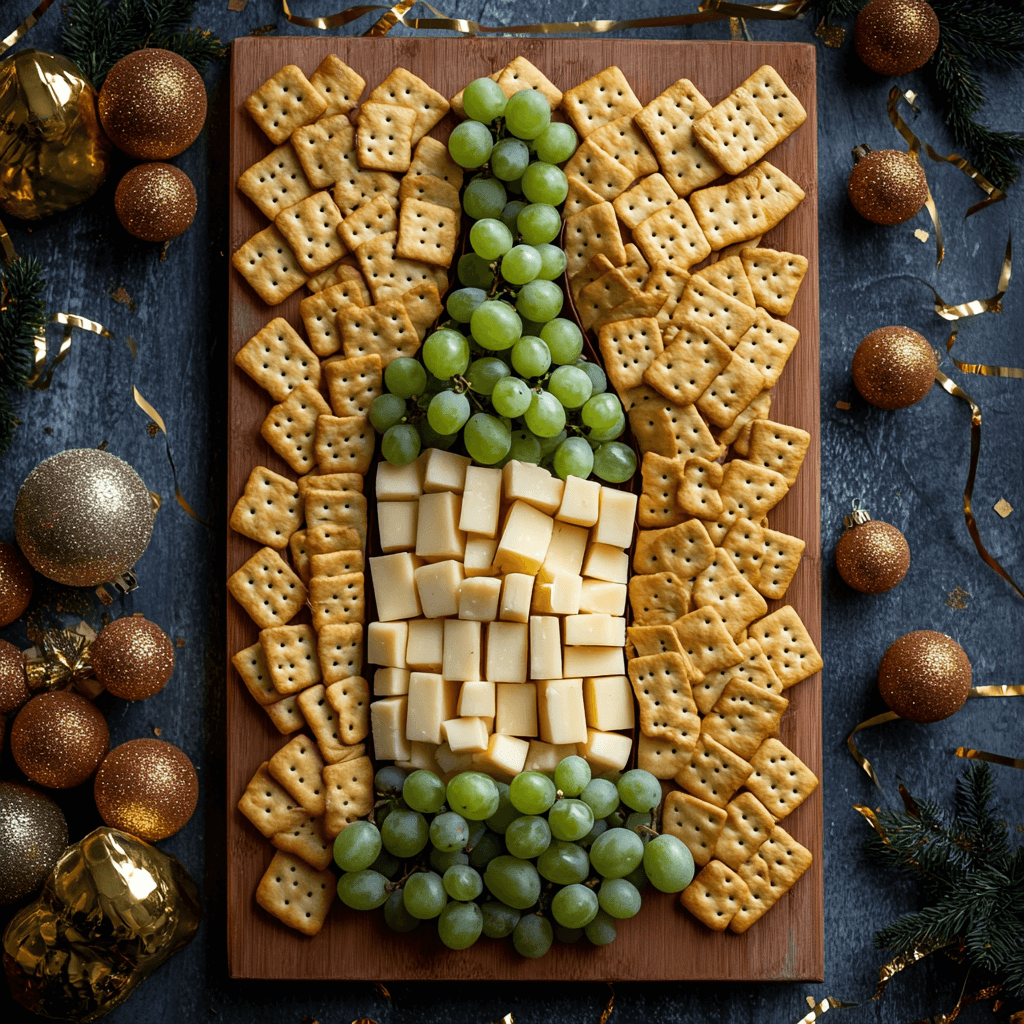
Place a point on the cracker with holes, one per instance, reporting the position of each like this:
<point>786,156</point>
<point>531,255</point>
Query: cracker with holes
<point>715,895</point>
<point>322,719</point>
<point>763,894</point>
<point>337,599</point>
<point>735,132</point>
<point>778,446</point>
<point>311,230</point>
<point>654,640</point>
<point>284,102</point>
<point>638,306</point>
<point>429,189</point>
<point>337,508</point>
<point>662,758</point>
<point>297,767</point>
<point>328,538</point>
<point>661,480</point>
<point>593,232</point>
<point>685,550</point>
<point>344,483</point>
<point>579,198</point>
<point>384,137</point>
<point>785,858</point>
<point>319,313</point>
<point>779,563</point>
<point>296,894</point>
<point>735,387</point>
<point>706,641</point>
<point>658,598</point>
<point>598,171</point>
<point>628,348</point>
<point>748,492</point>
<point>697,495</point>
<point>407,91</point>
<point>431,158</point>
<point>694,822</point>
<point>424,306</point>
<point>390,277</point>
<point>738,435</point>
<point>267,588</point>
<point>383,330</point>
<point>321,148</point>
<point>603,98</point>
<point>350,698</point>
<point>775,100</point>
<point>251,667</point>
<point>290,426</point>
<point>747,826</point>
<point>340,647</point>
<point>649,195</point>
<point>625,144</point>
<point>365,223</point>
<point>755,667</point>
<point>787,646</point>
<point>355,187</point>
<point>667,283</point>
<point>686,367</point>
<point>427,232</point>
<point>729,277</point>
<point>661,683</point>
<point>604,294</point>
<point>339,85</point>
<point>291,657</point>
<point>671,430</point>
<point>353,384</point>
<point>673,236</point>
<point>335,563</point>
<point>519,73</point>
<point>744,716</point>
<point>714,772</point>
<point>278,359</point>
<point>285,715</point>
<point>594,268</point>
<point>268,805</point>
<point>709,688</point>
<point>349,793</point>
<point>299,550</point>
<point>308,841</point>
<point>780,195</point>
<point>744,544</point>
<point>269,266</point>
<point>269,510</point>
<point>344,444</point>
<point>707,307</point>
<point>275,182</point>
<point>774,277</point>
<point>780,780</point>
<point>767,346</point>
<point>636,268</point>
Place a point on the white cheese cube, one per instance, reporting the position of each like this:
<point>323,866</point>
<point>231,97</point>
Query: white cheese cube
<point>507,652</point>
<point>390,682</point>
<point>450,762</point>
<point>387,722</point>
<point>504,757</point>
<point>516,709</point>
<point>462,648</point>
<point>424,651</point>
<point>523,481</point>
<point>394,586</point>
<point>581,501</point>
<point>605,751</point>
<point>396,525</point>
<point>594,661</point>
<point>479,557</point>
<point>608,701</point>
<point>544,757</point>
<point>565,553</point>
<point>595,631</point>
<point>399,483</point>
<point>516,596</point>
<point>438,587</point>
<point>559,597</point>
<point>478,598</point>
<point>386,643</point>
<point>465,734</point>
<point>616,518</point>
<point>604,562</point>
<point>476,698</point>
<point>603,598</point>
<point>437,528</point>
<point>432,700</point>
<point>421,755</point>
<point>560,712</point>
<point>545,647</point>
<point>481,501</point>
<point>444,471</point>
<point>524,541</point>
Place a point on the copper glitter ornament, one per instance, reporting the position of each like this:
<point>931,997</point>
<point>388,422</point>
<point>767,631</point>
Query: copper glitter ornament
<point>33,835</point>
<point>155,202</point>
<point>132,658</point>
<point>15,584</point>
<point>894,37</point>
<point>153,104</point>
<point>871,556</point>
<point>894,367</point>
<point>59,739</point>
<point>924,676</point>
<point>146,787</point>
<point>14,689</point>
<point>887,186</point>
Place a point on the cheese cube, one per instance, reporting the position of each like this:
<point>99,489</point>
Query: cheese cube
<point>481,501</point>
<point>504,757</point>
<point>608,701</point>
<point>432,700</point>
<point>387,722</point>
<point>516,596</point>
<point>465,734</point>
<point>603,598</point>
<point>462,648</point>
<point>560,711</point>
<point>437,527</point>
<point>595,630</point>
<point>580,501</point>
<point>516,709</point>
<point>478,598</point>
<point>438,587</point>
<point>604,562</point>
<point>565,552</point>
<point>507,652</point>
<point>399,483</point>
<point>394,586</point>
<point>424,651</point>
<point>396,525</point>
<point>544,757</point>
<point>386,643</point>
<point>616,518</point>
<point>523,481</point>
<point>479,557</point>
<point>594,661</point>
<point>451,763</point>
<point>444,471</point>
<point>605,751</point>
<point>390,682</point>
<point>421,755</point>
<point>524,541</point>
<point>559,597</point>
<point>476,698</point>
<point>545,647</point>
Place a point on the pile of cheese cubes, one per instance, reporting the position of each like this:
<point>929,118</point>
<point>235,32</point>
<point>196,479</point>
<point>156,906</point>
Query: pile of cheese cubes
<point>500,626</point>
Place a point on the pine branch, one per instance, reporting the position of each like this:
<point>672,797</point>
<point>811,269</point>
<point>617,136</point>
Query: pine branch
<point>832,10</point>
<point>22,317</point>
<point>8,422</point>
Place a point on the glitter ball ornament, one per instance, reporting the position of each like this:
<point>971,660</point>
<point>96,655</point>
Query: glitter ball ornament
<point>155,202</point>
<point>83,517</point>
<point>15,584</point>
<point>871,556</point>
<point>152,104</point>
<point>59,739</point>
<point>887,186</point>
<point>132,658</point>
<point>924,676</point>
<point>894,367</point>
<point>894,37</point>
<point>14,689</point>
<point>33,835</point>
<point>146,787</point>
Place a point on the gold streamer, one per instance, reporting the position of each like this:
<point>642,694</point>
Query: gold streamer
<point>984,755</point>
<point>983,369</point>
<point>820,1009</point>
<point>37,379</point>
<point>906,959</point>
<point>609,1007</point>
<point>989,992</point>
<point>973,308</point>
<point>997,690</point>
<point>888,716</point>
<point>8,41</point>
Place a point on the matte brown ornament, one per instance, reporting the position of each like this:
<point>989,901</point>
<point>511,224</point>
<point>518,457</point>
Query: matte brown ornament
<point>15,584</point>
<point>153,104</point>
<point>33,835</point>
<point>155,202</point>
<point>894,367</point>
<point>133,658</point>
<point>146,787</point>
<point>887,186</point>
<point>894,37</point>
<point>871,556</point>
<point>59,739</point>
<point>14,689</point>
<point>924,676</point>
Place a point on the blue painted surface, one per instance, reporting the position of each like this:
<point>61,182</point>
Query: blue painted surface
<point>907,466</point>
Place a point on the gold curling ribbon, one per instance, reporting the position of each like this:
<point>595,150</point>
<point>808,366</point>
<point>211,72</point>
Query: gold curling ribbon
<point>41,381</point>
<point>851,744</point>
<point>820,1009</point>
<point>8,41</point>
<point>989,992</point>
<point>65,655</point>
<point>997,690</point>
<point>977,306</point>
<point>906,959</point>
<point>983,369</point>
<point>609,1007</point>
<point>984,755</point>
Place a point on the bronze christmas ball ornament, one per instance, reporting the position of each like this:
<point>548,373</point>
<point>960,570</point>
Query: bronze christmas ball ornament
<point>132,658</point>
<point>871,556</point>
<point>14,689</point>
<point>153,104</point>
<point>83,517</point>
<point>924,676</point>
<point>894,37</point>
<point>894,367</point>
<point>146,787</point>
<point>15,584</point>
<point>59,739</point>
<point>33,835</point>
<point>155,202</point>
<point>887,186</point>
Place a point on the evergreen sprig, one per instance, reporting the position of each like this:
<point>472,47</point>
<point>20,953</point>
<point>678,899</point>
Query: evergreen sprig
<point>22,317</point>
<point>972,879</point>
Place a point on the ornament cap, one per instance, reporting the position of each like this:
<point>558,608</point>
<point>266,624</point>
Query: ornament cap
<point>858,517</point>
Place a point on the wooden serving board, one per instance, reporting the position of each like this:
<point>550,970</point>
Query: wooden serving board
<point>663,942</point>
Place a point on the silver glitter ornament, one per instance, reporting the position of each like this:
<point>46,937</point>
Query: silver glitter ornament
<point>33,835</point>
<point>84,517</point>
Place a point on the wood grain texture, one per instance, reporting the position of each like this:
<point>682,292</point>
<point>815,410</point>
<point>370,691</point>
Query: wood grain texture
<point>663,942</point>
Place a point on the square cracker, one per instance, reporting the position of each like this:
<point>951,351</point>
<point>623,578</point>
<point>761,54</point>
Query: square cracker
<point>714,772</point>
<point>658,599</point>
<point>767,346</point>
<point>299,550</point>
<point>268,805</point>
<point>779,194</point>
<point>319,312</point>
<point>354,383</point>
<point>350,698</point>
<point>715,895</point>
<point>787,645</point>
<point>744,544</point>
<point>297,766</point>
<point>339,85</point>
<point>290,653</point>
<point>314,480</point>
<point>431,158</point>
<point>657,506</point>
<point>735,387</point>
<point>322,719</point>
<point>329,538</point>
<point>269,266</point>
<point>735,132</point>
<point>519,73</point>
<point>775,100</point>
<point>424,306</point>
<point>688,364</point>
<point>311,230</point>
<point>748,492</point>
<point>774,277</point>
<point>755,667</point>
<point>710,308</point>
<point>338,508</point>
<point>694,822</point>
<point>728,276</point>
<point>671,430</point>
<point>406,90</point>
<point>308,841</point>
<point>335,563</point>
<point>598,171</point>
<point>661,683</point>
<point>285,715</point>
<point>603,98</point>
<point>622,141</point>
<point>780,780</point>
<point>697,494</point>
<point>646,197</point>
<point>743,717</point>
<point>734,212</point>
<point>673,236</point>
<point>653,640</point>
<point>668,283</point>
<point>738,435</point>
<point>267,588</point>
<point>390,277</point>
<point>628,348</point>
<point>296,894</point>
<point>747,826</point>
<point>290,426</point>
<point>427,232</point>
<point>578,198</point>
<point>786,859</point>
<point>383,329</point>
<point>662,758</point>
<point>602,295</point>
<point>284,102</point>
<point>251,667</point>
<point>337,599</point>
<point>384,136</point>
<point>685,550</point>
<point>593,232</point>
<point>429,189</point>
<point>366,222</point>
<point>349,793</point>
<point>779,563</point>
<point>706,640</point>
<point>778,446</point>
<point>340,647</point>
<point>592,271</point>
<point>322,148</point>
<point>708,689</point>
<point>278,359</point>
<point>356,186</point>
<point>275,182</point>
<point>268,511</point>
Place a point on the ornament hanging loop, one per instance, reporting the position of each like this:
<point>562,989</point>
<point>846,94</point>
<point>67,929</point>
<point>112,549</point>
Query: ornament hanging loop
<point>858,517</point>
<point>859,152</point>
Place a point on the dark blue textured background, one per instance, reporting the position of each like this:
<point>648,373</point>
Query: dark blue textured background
<point>907,466</point>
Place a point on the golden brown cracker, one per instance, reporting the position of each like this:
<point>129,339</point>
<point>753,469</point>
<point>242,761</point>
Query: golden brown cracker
<point>284,102</point>
<point>267,588</point>
<point>268,511</point>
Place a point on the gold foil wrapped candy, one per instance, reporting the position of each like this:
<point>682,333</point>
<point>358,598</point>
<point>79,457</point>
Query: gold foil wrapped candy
<point>113,910</point>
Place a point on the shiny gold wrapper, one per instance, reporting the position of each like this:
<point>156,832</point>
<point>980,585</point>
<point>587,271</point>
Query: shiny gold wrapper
<point>112,911</point>
<point>64,657</point>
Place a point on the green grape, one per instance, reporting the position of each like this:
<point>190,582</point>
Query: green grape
<point>598,378</point>
<point>549,444</point>
<point>490,239</point>
<point>388,781</point>
<point>570,819</point>
<point>448,411</point>
<point>527,114</point>
<point>449,832</point>
<point>539,222</point>
<point>639,822</point>
<point>601,931</point>
<point>396,917</point>
<point>424,895</point>
<point>614,462</point>
<point>552,261</point>
<point>531,793</point>
<point>638,878</point>
<point>509,159</point>
<point>544,416</point>
<point>601,411</point>
<point>499,920</point>
<point>567,935</point>
<point>475,273</point>
<point>446,353</point>
<point>462,882</point>
<point>530,357</point>
<point>515,188</point>
<point>602,797</point>
<point>483,100</point>
<point>362,890</point>
<point>487,441</point>
<point>470,144</point>
<point>556,143</point>
<point>612,432</point>
<point>432,439</point>
<point>570,385</point>
<point>513,881</point>
<point>531,327</point>
<point>668,863</point>
<point>617,852</point>
<point>521,264</point>
<point>460,306</point>
<point>574,906</point>
<point>385,411</point>
<point>525,447</point>
<point>539,300</point>
<point>473,795</point>
<point>400,444</point>
<point>483,197</point>
<point>483,374</point>
<point>510,213</point>
<point>357,846</point>
<point>387,864</point>
<point>617,819</point>
<point>485,850</point>
<point>544,183</point>
<point>404,833</point>
<point>405,377</point>
<point>511,397</point>
<point>573,457</point>
<point>505,814</point>
<point>639,790</point>
<point>495,325</point>
<point>459,925</point>
<point>563,863</point>
<point>423,791</point>
<point>599,828</point>
<point>442,860</point>
<point>533,936</point>
<point>527,837</point>
<point>619,898</point>
<point>564,339</point>
<point>572,775</point>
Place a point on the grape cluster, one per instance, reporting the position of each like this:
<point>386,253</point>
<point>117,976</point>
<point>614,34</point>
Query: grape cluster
<point>543,858</point>
<point>504,377</point>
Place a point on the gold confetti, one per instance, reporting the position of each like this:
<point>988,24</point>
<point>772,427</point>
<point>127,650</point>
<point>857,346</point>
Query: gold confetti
<point>237,5</point>
<point>921,235</point>
<point>843,405</point>
<point>1003,507</point>
<point>957,598</point>
<point>120,294</point>
<point>830,35</point>
<point>263,30</point>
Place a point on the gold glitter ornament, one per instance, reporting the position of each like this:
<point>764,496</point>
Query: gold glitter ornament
<point>871,556</point>
<point>146,787</point>
<point>894,37</point>
<point>14,689</point>
<point>83,517</point>
<point>894,367</point>
<point>153,104</point>
<point>155,202</point>
<point>887,186</point>
<point>33,835</point>
<point>133,658</point>
<point>924,676</point>
<point>15,584</point>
